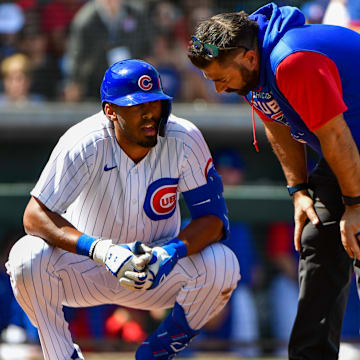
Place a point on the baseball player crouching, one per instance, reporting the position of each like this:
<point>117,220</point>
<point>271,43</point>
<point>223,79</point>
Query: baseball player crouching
<point>103,221</point>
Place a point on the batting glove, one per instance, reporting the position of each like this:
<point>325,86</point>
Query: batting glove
<point>163,260</point>
<point>120,258</point>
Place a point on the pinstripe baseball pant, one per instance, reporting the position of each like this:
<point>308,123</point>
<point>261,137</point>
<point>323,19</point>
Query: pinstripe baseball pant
<point>45,278</point>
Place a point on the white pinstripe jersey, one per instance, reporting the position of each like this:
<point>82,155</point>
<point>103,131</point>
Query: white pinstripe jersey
<point>91,181</point>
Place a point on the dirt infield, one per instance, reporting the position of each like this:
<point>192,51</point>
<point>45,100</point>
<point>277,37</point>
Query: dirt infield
<point>130,356</point>
<point>31,352</point>
<point>122,356</point>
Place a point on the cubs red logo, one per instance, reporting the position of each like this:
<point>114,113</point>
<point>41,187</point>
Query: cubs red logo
<point>145,82</point>
<point>161,199</point>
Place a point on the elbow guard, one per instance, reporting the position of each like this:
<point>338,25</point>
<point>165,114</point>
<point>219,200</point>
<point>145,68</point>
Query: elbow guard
<point>208,199</point>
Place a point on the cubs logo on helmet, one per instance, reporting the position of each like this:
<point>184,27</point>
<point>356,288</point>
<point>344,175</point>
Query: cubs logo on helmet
<point>145,83</point>
<point>161,198</point>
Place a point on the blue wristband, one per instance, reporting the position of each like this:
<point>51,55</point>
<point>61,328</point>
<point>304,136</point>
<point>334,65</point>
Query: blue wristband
<point>83,244</point>
<point>176,245</point>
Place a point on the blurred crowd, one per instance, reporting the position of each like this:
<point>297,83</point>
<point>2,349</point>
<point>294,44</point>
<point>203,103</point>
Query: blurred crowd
<point>58,50</point>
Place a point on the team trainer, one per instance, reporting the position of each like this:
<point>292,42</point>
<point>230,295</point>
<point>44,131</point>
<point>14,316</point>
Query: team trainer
<point>303,81</point>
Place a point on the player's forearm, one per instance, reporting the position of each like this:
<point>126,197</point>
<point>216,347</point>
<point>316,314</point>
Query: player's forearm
<point>342,155</point>
<point>40,221</point>
<point>201,232</point>
<point>291,153</point>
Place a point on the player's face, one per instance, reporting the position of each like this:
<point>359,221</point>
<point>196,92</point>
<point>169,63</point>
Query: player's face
<point>234,76</point>
<point>139,124</point>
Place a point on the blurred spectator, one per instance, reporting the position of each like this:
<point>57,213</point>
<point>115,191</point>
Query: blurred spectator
<point>166,57</point>
<point>126,324</point>
<point>344,13</point>
<point>314,11</point>
<point>350,330</point>
<point>283,288</point>
<point>16,76</point>
<point>238,322</point>
<point>193,13</point>
<point>337,13</point>
<point>19,329</point>
<point>167,54</point>
<point>11,22</point>
<point>15,327</point>
<point>45,70</point>
<point>164,17</point>
<point>103,32</point>
<point>109,322</point>
<point>56,17</point>
<point>196,88</point>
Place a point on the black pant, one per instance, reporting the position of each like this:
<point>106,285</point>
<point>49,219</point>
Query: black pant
<point>325,272</point>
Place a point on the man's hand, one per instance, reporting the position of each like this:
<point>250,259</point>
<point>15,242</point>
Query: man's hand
<point>303,210</point>
<point>157,269</point>
<point>163,259</point>
<point>350,228</point>
<point>121,258</point>
<point>160,265</point>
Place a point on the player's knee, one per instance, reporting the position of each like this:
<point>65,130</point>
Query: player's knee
<point>222,269</point>
<point>22,258</point>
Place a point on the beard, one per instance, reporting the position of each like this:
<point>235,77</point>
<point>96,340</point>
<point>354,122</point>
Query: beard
<point>148,143</point>
<point>250,78</point>
<point>151,140</point>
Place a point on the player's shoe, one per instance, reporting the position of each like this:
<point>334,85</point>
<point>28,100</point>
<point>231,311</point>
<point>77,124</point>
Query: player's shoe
<point>77,355</point>
<point>173,335</point>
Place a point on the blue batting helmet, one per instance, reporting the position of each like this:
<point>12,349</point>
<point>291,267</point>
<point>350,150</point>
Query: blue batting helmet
<point>133,82</point>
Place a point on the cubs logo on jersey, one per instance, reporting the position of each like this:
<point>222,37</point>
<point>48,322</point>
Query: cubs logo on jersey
<point>145,82</point>
<point>161,199</point>
<point>265,102</point>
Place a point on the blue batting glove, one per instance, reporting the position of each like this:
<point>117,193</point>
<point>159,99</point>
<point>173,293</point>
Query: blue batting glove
<point>163,260</point>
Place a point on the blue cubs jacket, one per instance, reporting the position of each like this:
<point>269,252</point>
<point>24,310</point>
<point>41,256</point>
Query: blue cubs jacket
<point>282,31</point>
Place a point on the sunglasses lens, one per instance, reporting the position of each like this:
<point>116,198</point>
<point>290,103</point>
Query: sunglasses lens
<point>196,42</point>
<point>209,49</point>
<point>197,45</point>
<point>212,50</point>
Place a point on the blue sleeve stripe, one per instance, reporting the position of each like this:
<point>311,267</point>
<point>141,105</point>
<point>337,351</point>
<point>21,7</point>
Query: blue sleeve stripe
<point>83,244</point>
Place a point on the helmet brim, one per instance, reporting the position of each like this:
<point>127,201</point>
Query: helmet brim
<point>139,98</point>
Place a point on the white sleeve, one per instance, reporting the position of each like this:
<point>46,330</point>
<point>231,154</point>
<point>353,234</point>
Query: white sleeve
<point>65,174</point>
<point>197,161</point>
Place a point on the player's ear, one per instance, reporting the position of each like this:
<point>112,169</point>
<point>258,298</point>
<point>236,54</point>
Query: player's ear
<point>110,112</point>
<point>251,58</point>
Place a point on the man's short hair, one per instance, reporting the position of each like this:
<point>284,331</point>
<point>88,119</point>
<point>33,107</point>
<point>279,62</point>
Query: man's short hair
<point>227,30</point>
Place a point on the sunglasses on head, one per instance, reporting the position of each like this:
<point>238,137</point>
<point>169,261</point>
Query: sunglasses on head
<point>211,50</point>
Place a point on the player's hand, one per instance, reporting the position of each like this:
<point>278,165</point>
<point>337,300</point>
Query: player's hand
<point>303,210</point>
<point>163,260</point>
<point>121,258</point>
<point>159,265</point>
<point>349,228</point>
